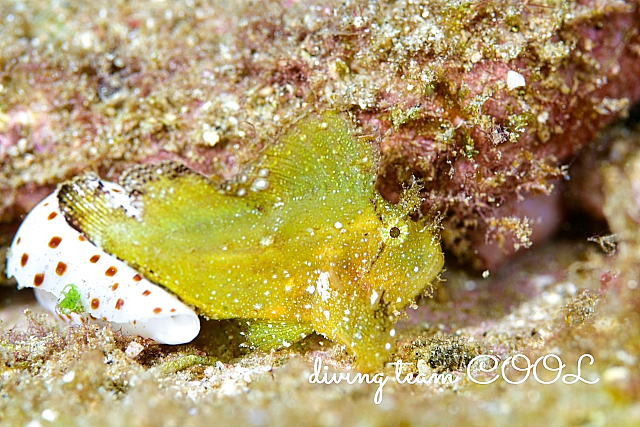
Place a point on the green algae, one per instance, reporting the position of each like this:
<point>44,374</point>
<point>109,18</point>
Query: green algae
<point>184,362</point>
<point>71,301</point>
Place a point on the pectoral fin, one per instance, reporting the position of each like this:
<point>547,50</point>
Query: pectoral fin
<point>266,335</point>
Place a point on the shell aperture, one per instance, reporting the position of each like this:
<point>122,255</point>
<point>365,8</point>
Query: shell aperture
<point>299,241</point>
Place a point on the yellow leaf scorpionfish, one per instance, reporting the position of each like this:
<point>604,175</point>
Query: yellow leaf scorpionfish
<point>299,241</point>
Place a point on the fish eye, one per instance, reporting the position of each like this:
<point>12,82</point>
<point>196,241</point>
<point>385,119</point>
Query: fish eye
<point>394,232</point>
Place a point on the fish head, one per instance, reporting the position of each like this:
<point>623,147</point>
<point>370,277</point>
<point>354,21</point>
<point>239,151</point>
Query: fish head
<point>388,261</point>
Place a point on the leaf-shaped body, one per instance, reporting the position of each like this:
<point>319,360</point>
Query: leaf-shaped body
<point>301,238</point>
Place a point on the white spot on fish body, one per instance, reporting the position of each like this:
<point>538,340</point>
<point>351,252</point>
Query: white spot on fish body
<point>266,241</point>
<point>259,184</point>
<point>374,297</point>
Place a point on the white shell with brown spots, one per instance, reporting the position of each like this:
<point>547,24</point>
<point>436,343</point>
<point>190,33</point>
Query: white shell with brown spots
<point>47,254</point>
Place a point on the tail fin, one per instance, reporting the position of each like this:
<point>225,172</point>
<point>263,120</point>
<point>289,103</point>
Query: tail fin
<point>95,207</point>
<point>154,222</point>
<point>92,206</point>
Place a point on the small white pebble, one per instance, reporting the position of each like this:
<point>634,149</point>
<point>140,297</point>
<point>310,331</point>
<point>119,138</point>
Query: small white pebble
<point>49,415</point>
<point>68,377</point>
<point>514,80</point>
<point>543,117</point>
<point>616,374</point>
<point>211,137</point>
<point>133,349</point>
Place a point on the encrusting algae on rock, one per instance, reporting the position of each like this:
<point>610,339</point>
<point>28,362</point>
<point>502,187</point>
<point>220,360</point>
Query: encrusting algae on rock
<point>299,241</point>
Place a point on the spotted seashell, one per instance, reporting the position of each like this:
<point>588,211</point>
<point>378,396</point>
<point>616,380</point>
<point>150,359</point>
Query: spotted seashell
<point>78,282</point>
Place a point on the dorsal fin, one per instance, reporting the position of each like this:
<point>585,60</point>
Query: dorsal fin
<point>318,156</point>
